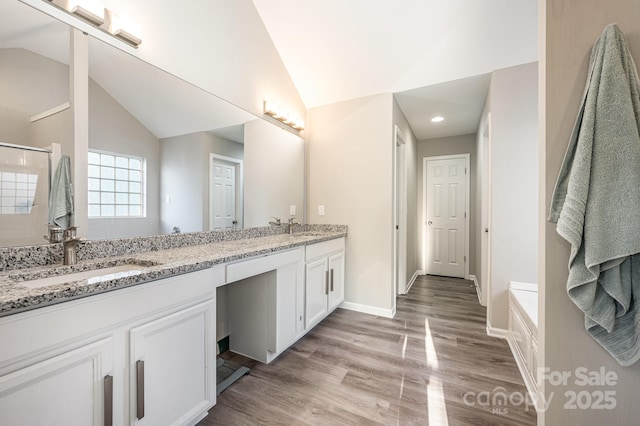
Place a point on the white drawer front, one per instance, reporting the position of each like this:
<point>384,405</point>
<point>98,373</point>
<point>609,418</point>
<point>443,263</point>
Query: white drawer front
<point>323,249</point>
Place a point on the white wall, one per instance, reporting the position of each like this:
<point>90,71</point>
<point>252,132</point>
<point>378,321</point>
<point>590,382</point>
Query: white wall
<point>514,185</point>
<point>568,30</point>
<point>350,172</point>
<point>31,84</point>
<point>235,59</point>
<point>112,128</point>
<point>273,174</point>
<point>464,144</point>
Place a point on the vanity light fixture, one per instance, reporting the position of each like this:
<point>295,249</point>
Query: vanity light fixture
<point>125,29</point>
<point>437,119</point>
<point>91,10</point>
<point>273,110</point>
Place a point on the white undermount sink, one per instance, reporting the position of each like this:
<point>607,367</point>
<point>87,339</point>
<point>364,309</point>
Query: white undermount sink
<point>92,276</point>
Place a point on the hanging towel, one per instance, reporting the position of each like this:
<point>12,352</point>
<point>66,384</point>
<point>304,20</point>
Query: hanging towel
<point>596,201</point>
<point>61,195</point>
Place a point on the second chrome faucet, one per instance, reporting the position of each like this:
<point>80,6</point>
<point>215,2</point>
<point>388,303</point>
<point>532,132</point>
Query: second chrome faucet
<point>290,224</point>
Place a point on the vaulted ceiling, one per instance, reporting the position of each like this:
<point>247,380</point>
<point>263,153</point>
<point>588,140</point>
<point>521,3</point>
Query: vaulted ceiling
<point>436,57</point>
<point>336,50</point>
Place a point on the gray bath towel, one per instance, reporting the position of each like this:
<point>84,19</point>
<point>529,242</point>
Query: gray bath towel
<point>61,195</point>
<point>596,202</point>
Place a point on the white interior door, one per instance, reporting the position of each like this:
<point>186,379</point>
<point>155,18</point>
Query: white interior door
<point>446,222</point>
<point>223,204</point>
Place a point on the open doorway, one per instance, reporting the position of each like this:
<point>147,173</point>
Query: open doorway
<point>400,214</point>
<point>485,216</point>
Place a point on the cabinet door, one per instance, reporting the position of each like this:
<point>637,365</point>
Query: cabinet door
<point>67,389</point>
<point>284,323</point>
<point>336,280</point>
<point>172,374</point>
<point>316,287</point>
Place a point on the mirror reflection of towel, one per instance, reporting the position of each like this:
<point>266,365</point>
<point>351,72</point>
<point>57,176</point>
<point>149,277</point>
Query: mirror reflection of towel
<point>61,195</point>
<point>596,202</point>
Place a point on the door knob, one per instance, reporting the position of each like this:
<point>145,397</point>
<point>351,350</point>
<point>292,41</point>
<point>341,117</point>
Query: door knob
<point>486,229</point>
<point>429,223</point>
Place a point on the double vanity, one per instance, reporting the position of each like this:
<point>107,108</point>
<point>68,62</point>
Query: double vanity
<point>128,334</point>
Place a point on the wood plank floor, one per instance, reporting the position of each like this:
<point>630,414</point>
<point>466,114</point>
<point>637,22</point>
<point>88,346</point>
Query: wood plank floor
<point>432,364</point>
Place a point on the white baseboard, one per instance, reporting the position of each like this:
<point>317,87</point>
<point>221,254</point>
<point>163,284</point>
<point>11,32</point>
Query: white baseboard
<point>500,333</point>
<point>478,291</point>
<point>413,279</point>
<point>366,309</point>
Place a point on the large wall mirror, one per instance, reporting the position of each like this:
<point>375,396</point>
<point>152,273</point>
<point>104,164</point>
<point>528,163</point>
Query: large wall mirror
<point>164,155</point>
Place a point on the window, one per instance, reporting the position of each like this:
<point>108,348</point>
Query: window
<point>17,191</point>
<point>116,185</point>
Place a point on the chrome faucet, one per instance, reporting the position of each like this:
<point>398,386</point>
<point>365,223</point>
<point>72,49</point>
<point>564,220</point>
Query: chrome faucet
<point>70,246</point>
<point>277,222</point>
<point>291,224</point>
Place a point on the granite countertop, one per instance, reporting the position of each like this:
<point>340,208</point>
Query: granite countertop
<point>153,265</point>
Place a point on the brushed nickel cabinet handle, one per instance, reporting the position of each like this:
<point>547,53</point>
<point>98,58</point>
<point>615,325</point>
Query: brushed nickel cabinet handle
<point>140,389</point>
<point>326,282</point>
<point>331,279</point>
<point>108,400</point>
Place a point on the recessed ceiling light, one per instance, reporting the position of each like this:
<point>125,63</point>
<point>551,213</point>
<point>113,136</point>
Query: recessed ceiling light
<point>437,119</point>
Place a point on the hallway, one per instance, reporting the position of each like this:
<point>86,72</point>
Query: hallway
<point>431,365</point>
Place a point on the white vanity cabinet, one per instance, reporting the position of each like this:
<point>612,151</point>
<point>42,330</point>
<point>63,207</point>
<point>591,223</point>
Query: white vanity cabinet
<point>70,388</point>
<point>324,279</point>
<point>77,363</point>
<point>169,367</point>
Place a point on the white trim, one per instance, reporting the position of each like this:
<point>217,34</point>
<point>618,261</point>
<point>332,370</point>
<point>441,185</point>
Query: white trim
<point>500,333</point>
<point>366,309</point>
<point>51,111</point>
<point>485,216</point>
<point>413,279</point>
<point>399,236</point>
<point>515,285</point>
<point>526,378</point>
<point>478,290</point>
<point>467,158</point>
<point>239,188</point>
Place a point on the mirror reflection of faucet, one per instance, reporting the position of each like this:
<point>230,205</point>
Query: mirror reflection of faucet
<point>275,222</point>
<point>55,234</point>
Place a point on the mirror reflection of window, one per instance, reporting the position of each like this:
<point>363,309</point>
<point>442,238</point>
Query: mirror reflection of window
<point>116,185</point>
<point>24,194</point>
<point>17,192</point>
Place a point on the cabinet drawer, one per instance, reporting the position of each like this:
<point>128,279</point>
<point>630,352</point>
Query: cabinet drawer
<point>323,249</point>
<point>259,265</point>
